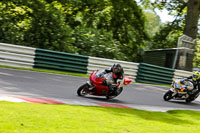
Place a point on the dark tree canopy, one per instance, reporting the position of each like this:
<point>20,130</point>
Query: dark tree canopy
<point>108,28</point>
<point>186,13</point>
<point>192,17</point>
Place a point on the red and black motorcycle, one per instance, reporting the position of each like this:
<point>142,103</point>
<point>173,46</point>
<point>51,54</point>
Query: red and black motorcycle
<point>96,85</point>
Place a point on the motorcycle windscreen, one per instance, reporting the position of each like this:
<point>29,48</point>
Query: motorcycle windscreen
<point>109,78</point>
<point>176,85</point>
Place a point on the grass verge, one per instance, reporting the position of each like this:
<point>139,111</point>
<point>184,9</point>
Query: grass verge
<point>46,118</point>
<point>47,71</point>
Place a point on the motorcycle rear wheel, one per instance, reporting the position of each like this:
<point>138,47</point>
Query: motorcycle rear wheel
<point>110,97</point>
<point>83,90</point>
<point>115,93</point>
<point>189,100</point>
<point>168,95</point>
<point>192,97</point>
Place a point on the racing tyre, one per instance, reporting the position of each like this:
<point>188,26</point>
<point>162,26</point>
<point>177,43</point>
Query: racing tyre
<point>168,95</point>
<point>192,97</point>
<point>83,90</point>
<point>110,97</point>
<point>188,100</point>
<point>118,91</point>
<point>115,93</point>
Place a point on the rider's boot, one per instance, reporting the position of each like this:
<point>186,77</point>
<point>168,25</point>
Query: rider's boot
<point>110,89</point>
<point>175,92</point>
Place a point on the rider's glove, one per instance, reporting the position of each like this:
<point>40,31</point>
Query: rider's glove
<point>118,81</point>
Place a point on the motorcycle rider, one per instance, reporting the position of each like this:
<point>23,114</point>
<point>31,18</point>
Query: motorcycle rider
<point>118,75</point>
<point>195,79</point>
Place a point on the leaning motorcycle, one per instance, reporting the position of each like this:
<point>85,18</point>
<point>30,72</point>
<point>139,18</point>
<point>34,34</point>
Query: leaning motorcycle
<point>181,91</point>
<point>97,85</point>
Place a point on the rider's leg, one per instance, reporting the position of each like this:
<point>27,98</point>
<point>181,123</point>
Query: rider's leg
<point>110,89</point>
<point>175,92</point>
<point>91,87</point>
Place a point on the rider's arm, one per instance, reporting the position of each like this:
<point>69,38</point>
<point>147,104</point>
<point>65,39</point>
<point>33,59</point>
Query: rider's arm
<point>104,72</point>
<point>185,79</point>
<point>108,70</point>
<point>198,85</point>
<point>190,77</point>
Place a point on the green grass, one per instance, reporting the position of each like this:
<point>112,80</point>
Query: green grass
<point>46,118</point>
<point>47,71</point>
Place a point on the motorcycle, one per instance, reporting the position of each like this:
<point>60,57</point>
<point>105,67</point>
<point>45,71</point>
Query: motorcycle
<point>180,91</point>
<point>97,85</point>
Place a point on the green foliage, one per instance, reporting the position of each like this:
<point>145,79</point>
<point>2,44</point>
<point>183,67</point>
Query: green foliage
<point>13,22</point>
<point>168,33</point>
<point>105,28</point>
<point>196,61</point>
<point>123,20</point>
<point>128,27</point>
<point>152,23</point>
<point>152,26</point>
<point>98,43</point>
<point>48,28</point>
<point>167,37</point>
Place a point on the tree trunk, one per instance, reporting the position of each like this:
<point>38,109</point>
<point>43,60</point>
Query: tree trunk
<point>192,17</point>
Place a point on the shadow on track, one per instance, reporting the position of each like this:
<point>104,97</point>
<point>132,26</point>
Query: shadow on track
<point>103,99</point>
<point>184,103</point>
<point>196,104</point>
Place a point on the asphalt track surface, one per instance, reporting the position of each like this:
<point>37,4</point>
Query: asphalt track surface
<point>38,85</point>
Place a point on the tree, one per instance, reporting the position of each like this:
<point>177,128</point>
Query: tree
<point>124,19</point>
<point>13,22</point>
<point>196,61</point>
<point>179,8</point>
<point>186,14</point>
<point>152,23</point>
<point>108,28</point>
<point>166,37</point>
<point>192,17</point>
<point>48,29</point>
<point>128,26</point>
<point>98,43</point>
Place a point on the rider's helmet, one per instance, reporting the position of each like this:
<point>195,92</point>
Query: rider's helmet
<point>117,69</point>
<point>195,76</point>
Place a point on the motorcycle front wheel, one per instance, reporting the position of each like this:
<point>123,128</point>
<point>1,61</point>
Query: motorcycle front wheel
<point>83,90</point>
<point>168,95</point>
